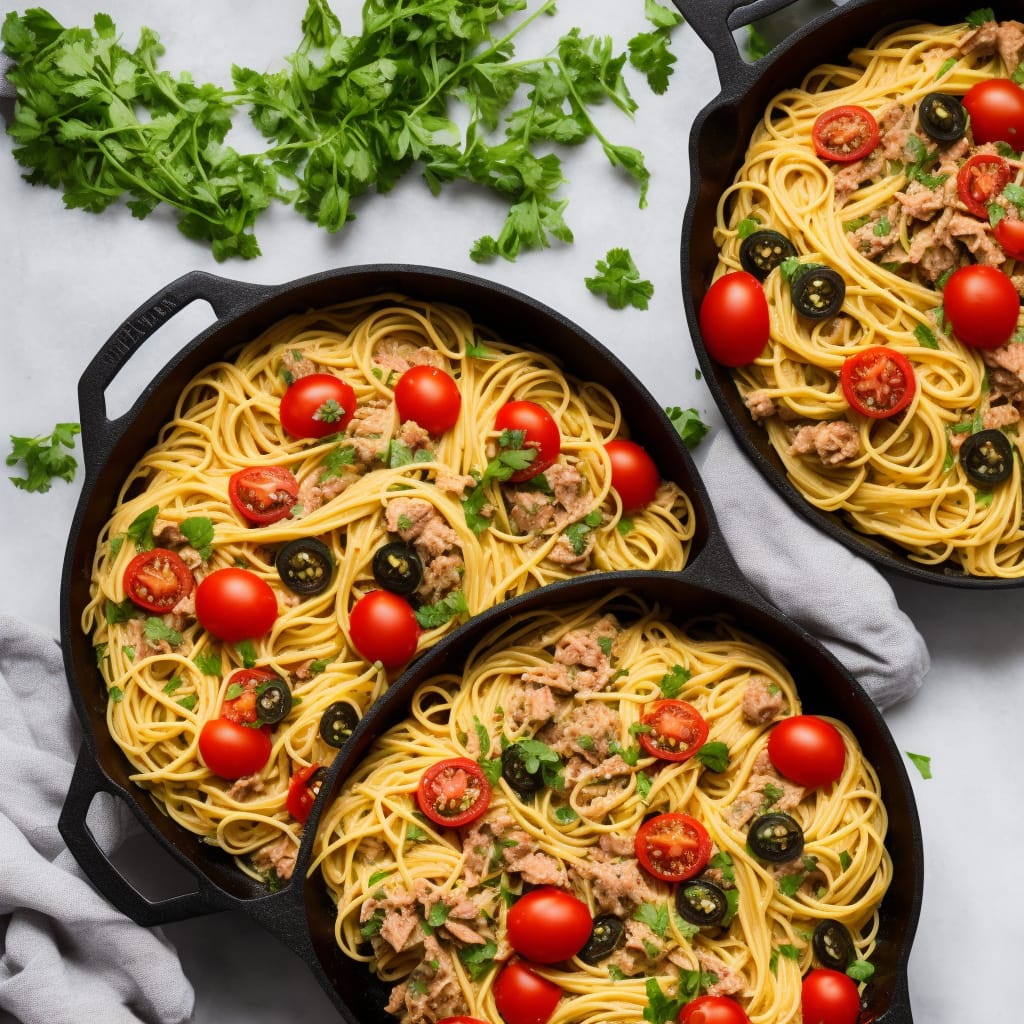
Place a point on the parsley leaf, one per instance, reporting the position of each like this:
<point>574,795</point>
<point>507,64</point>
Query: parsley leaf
<point>453,605</point>
<point>198,530</point>
<point>619,281</point>
<point>689,426</point>
<point>922,762</point>
<point>44,459</point>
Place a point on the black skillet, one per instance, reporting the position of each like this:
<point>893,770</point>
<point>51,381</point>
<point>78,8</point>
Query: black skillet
<point>718,141</point>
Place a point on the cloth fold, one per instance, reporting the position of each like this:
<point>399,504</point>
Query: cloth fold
<point>67,955</point>
<point>835,595</point>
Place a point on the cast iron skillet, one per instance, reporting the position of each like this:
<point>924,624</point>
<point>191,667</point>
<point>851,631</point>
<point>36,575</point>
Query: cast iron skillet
<point>111,447</point>
<point>824,686</point>
<point>718,141</point>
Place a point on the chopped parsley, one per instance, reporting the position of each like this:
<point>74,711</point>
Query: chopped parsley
<point>619,281</point>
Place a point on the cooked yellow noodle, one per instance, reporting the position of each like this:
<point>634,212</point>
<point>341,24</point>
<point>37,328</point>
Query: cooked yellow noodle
<point>905,485</point>
<point>371,838</point>
<point>227,419</point>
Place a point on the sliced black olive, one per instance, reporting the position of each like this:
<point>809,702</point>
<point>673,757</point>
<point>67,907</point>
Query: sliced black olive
<point>818,292</point>
<point>776,837</point>
<point>701,902</point>
<point>515,773</point>
<point>762,251</point>
<point>305,565</point>
<point>397,567</point>
<point>833,945</point>
<point>606,936</point>
<point>943,117</point>
<point>987,457</point>
<point>337,723</point>
<point>273,702</point>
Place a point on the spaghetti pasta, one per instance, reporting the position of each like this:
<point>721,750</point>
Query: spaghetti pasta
<point>481,539</point>
<point>427,906</point>
<point>894,223</point>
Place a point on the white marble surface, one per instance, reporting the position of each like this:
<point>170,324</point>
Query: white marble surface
<point>67,279</point>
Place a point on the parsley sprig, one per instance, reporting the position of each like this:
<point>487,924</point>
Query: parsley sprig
<point>44,459</point>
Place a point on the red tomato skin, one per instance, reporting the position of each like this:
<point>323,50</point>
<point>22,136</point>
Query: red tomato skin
<point>382,627</point>
<point>734,319</point>
<point>461,1020</point>
<point>541,432</point>
<point>548,925</point>
<point>301,402</point>
<point>981,305</point>
<point>635,477</point>
<point>869,357</point>
<point>980,180</point>
<point>268,480</point>
<point>807,749</point>
<point>685,712</point>
<point>172,580</point>
<point>830,121</point>
<point>996,107</point>
<point>713,1010</point>
<point>1010,235</point>
<point>242,709</point>
<point>231,750</point>
<point>430,396</point>
<point>660,825</point>
<point>301,795</point>
<point>522,996</point>
<point>829,997</point>
<point>235,604</point>
<point>425,794</point>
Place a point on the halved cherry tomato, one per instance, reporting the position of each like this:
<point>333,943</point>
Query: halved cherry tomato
<point>231,750</point>
<point>522,996</point>
<point>981,305</point>
<point>635,477</point>
<point>157,580</point>
<point>807,749</point>
<point>878,381</point>
<point>540,431</point>
<point>734,320</point>
<point>980,180</point>
<point>675,730</point>
<point>317,405</point>
<point>383,627</point>
<point>302,791</point>
<point>240,697</point>
<point>1010,235</point>
<point>829,997</point>
<point>430,396</point>
<point>996,106</point>
<point>548,925</point>
<point>453,792</point>
<point>845,133</point>
<point>673,847</point>
<point>712,1010</point>
<point>263,494</point>
<point>235,604</point>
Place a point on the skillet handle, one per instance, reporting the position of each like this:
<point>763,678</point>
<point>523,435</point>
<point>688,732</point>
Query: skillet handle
<point>227,298</point>
<point>86,781</point>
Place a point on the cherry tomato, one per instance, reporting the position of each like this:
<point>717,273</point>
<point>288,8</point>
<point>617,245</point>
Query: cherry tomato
<point>317,405</point>
<point>734,320</point>
<point>383,627</point>
<point>302,791</point>
<point>981,305</point>
<point>980,180</point>
<point>634,475</point>
<point>807,749</point>
<point>454,792</point>
<point>231,750</point>
<point>263,494</point>
<point>429,396</point>
<point>996,106</point>
<point>1010,235</point>
<point>540,432</point>
<point>235,604</point>
<point>675,730</point>
<point>522,996</point>
<point>240,697</point>
<point>673,847</point>
<point>548,925</point>
<point>157,580</point>
<point>878,381</point>
<point>712,1010</point>
<point>461,1020</point>
<point>829,997</point>
<point>845,134</point>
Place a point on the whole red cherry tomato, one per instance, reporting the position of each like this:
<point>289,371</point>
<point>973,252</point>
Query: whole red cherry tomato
<point>635,477</point>
<point>383,627</point>
<point>548,925</point>
<point>981,305</point>
<point>996,106</point>
<point>1010,235</point>
<point>317,405</point>
<point>232,750</point>
<point>829,997</point>
<point>430,396</point>
<point>807,749</point>
<point>540,432</point>
<point>522,996</point>
<point>734,320</point>
<point>235,604</point>
<point>712,1010</point>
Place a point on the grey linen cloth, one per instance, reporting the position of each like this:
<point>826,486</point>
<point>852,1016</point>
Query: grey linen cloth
<point>835,595</point>
<point>66,955</point>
